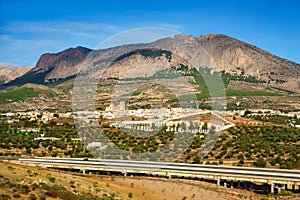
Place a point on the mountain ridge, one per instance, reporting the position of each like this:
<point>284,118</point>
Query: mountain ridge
<point>229,54</point>
<point>53,66</point>
<point>9,73</point>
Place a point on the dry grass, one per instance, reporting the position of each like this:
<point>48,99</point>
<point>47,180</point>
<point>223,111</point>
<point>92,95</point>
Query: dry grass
<point>32,182</point>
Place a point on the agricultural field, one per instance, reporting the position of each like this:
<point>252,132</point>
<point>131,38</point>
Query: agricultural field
<point>258,146</point>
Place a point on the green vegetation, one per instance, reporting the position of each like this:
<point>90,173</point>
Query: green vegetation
<point>282,90</point>
<point>250,93</point>
<point>139,144</point>
<point>259,146</point>
<point>205,94</point>
<point>16,143</point>
<point>277,119</point>
<point>51,179</point>
<point>147,53</point>
<point>249,79</point>
<point>192,153</point>
<point>205,77</point>
<point>152,53</point>
<point>54,83</point>
<point>208,81</point>
<point>163,74</point>
<point>18,94</point>
<point>30,77</point>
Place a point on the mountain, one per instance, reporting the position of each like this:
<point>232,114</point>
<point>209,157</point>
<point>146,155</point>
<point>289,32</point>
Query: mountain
<point>237,58</point>
<point>9,73</point>
<point>54,66</point>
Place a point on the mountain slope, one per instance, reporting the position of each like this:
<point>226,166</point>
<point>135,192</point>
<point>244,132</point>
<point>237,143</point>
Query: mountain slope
<point>230,55</point>
<point>237,57</point>
<point>52,67</point>
<point>8,73</point>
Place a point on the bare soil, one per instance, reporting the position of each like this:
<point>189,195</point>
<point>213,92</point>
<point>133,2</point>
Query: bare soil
<point>56,184</point>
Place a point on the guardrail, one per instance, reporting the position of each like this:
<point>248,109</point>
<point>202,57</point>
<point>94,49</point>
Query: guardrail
<point>274,177</point>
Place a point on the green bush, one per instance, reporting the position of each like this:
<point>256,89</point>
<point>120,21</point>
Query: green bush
<point>285,193</point>
<point>51,179</point>
<point>260,163</point>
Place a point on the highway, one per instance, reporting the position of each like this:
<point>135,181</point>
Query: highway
<point>218,173</point>
<point>295,174</point>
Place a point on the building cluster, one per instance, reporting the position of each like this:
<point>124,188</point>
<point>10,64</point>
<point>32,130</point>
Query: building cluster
<point>43,116</point>
<point>153,119</point>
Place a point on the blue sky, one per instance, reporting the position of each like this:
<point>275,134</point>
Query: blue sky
<point>30,28</point>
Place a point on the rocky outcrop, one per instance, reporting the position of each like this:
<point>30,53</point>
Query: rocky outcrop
<point>61,65</point>
<point>237,57</point>
<point>53,66</point>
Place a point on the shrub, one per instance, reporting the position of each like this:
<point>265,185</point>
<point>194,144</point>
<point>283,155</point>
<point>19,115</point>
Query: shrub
<point>130,195</point>
<point>32,197</point>
<point>17,196</point>
<point>285,193</point>
<point>51,179</point>
<point>24,189</point>
<point>5,197</point>
<point>260,163</point>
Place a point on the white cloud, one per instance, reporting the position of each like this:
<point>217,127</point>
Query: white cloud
<point>82,29</point>
<point>23,42</point>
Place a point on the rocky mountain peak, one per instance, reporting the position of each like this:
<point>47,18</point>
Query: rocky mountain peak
<point>71,56</point>
<point>61,63</point>
<point>229,54</point>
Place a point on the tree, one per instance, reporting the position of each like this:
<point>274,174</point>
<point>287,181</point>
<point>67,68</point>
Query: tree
<point>205,126</point>
<point>196,160</point>
<point>247,112</point>
<point>130,195</point>
<point>260,163</point>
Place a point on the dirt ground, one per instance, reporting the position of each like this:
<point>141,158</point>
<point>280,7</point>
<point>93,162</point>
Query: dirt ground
<point>100,186</point>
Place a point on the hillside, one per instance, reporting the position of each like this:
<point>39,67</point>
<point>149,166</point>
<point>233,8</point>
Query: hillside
<point>231,55</point>
<point>9,73</point>
<point>38,183</point>
<point>248,72</point>
<point>237,57</point>
<point>53,66</point>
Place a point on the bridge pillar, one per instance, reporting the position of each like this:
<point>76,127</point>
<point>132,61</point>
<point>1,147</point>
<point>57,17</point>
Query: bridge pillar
<point>279,189</point>
<point>225,184</point>
<point>83,171</point>
<point>218,181</point>
<point>272,188</point>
